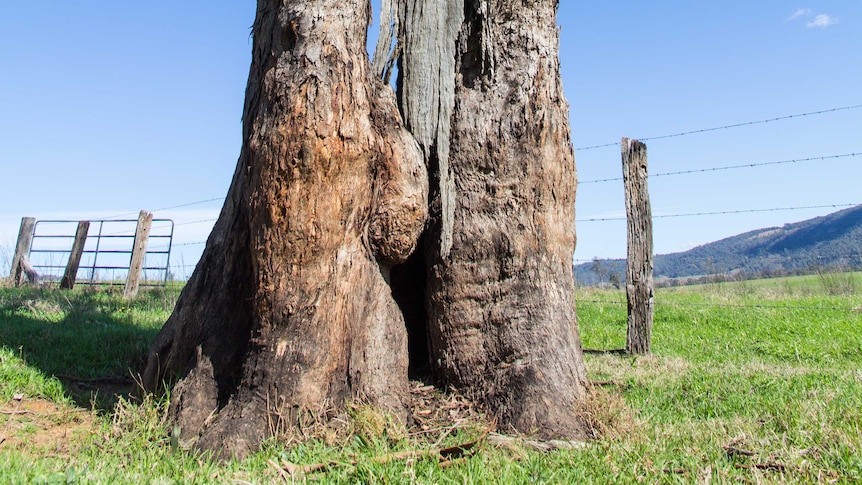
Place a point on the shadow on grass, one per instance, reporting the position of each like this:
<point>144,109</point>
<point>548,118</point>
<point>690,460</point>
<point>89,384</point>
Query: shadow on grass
<point>94,342</point>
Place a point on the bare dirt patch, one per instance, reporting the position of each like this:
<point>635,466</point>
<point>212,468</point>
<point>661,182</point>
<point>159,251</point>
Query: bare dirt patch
<point>41,427</point>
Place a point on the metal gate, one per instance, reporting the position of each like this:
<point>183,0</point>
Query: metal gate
<point>107,251</point>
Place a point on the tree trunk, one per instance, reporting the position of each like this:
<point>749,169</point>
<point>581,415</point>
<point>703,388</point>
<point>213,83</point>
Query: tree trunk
<point>502,319</point>
<point>288,310</point>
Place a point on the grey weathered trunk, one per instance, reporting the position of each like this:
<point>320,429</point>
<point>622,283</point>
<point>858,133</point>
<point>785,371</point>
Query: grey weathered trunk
<point>71,273</point>
<point>495,126</point>
<point>640,294</point>
<point>288,310</point>
<point>20,262</point>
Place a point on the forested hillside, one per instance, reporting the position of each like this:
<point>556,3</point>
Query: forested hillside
<point>830,241</point>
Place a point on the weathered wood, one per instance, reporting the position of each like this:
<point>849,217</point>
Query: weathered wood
<point>386,52</point>
<point>25,269</point>
<point>22,248</point>
<point>427,94</point>
<point>71,273</point>
<point>501,292</point>
<point>640,293</point>
<point>288,311</point>
<point>139,252</point>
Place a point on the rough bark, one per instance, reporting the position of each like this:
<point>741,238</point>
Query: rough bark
<point>24,269</point>
<point>288,310</point>
<point>70,275</point>
<point>640,294</point>
<point>22,249</point>
<point>501,292</point>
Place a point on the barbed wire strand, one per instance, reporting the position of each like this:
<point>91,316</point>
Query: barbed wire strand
<point>726,127</point>
<point>196,243</point>
<point>731,167</point>
<point>131,232</point>
<point>189,204</point>
<point>716,213</point>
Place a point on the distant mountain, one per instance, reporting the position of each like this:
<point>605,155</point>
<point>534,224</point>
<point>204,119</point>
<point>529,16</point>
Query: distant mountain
<point>834,240</point>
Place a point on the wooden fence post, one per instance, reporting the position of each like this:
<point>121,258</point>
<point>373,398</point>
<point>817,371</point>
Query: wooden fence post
<point>25,238</point>
<point>139,251</point>
<point>640,293</point>
<point>68,281</point>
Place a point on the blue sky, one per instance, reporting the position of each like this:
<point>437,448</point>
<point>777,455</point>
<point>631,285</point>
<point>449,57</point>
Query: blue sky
<point>111,107</point>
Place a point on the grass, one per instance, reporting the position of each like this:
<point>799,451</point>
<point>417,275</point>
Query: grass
<point>748,382</point>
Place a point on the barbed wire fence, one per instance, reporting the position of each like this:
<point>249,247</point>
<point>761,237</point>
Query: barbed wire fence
<point>182,269</point>
<point>588,297</point>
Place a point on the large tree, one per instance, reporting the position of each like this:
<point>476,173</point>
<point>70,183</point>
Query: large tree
<point>481,92</point>
<point>290,309</point>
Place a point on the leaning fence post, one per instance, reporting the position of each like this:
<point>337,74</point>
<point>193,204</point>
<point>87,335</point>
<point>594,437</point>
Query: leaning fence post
<point>25,238</point>
<point>139,251</point>
<point>68,281</point>
<point>640,294</point>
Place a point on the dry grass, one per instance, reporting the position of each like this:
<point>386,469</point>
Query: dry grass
<point>649,368</point>
<point>607,416</point>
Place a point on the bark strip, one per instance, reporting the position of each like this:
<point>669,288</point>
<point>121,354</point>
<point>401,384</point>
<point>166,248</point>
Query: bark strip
<point>427,95</point>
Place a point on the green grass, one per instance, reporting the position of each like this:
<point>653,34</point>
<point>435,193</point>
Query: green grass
<point>774,368</point>
<point>84,333</point>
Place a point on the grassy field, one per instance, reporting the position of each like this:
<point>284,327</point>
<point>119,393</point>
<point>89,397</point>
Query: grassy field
<point>749,382</point>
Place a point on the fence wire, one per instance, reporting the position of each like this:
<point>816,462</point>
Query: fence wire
<point>731,167</point>
<point>729,126</point>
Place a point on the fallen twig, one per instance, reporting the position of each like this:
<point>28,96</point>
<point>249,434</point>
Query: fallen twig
<point>775,467</point>
<point>445,456</point>
<point>15,413</point>
<point>499,439</point>
<point>732,450</point>
<point>281,470</point>
<point>608,383</point>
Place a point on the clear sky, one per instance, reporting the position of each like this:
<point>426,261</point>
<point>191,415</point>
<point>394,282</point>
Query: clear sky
<point>111,107</point>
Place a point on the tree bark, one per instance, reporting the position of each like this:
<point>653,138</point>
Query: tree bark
<point>289,310</point>
<point>502,320</point>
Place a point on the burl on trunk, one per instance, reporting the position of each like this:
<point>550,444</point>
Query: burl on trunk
<point>288,310</point>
